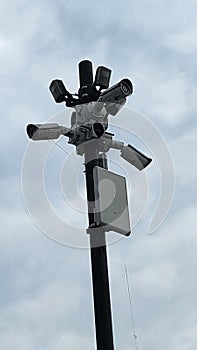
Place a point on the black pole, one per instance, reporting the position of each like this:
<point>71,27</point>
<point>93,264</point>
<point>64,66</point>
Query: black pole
<point>98,252</point>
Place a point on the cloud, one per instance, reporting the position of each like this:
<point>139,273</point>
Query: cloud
<point>46,296</point>
<point>162,284</point>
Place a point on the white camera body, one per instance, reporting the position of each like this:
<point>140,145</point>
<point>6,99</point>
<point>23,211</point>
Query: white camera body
<point>49,131</point>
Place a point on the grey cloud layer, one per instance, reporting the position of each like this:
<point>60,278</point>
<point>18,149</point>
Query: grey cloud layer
<point>45,288</point>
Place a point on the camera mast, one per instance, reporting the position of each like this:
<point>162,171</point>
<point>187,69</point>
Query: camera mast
<point>92,105</point>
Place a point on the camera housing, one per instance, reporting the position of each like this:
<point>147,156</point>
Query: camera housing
<point>135,157</point>
<point>58,91</point>
<point>49,131</point>
<point>102,77</point>
<point>82,133</point>
<point>117,92</point>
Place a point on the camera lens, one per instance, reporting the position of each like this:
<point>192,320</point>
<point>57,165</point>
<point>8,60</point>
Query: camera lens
<point>98,129</point>
<point>31,129</point>
<point>125,88</point>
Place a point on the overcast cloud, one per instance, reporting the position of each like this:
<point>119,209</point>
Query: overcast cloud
<point>45,293</point>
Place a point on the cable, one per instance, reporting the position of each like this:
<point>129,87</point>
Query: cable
<point>131,308</point>
<point>63,149</point>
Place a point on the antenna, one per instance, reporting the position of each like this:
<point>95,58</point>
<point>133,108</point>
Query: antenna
<point>131,308</point>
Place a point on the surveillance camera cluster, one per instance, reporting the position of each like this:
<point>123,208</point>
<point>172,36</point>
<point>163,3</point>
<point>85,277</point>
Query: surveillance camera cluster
<point>93,103</point>
<point>90,90</point>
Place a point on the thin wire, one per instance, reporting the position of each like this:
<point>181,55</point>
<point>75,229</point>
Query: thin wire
<point>63,149</point>
<point>131,309</point>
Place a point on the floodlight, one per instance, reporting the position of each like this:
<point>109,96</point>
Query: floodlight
<point>135,157</point>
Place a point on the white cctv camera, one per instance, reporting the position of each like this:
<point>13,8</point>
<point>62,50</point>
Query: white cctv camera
<point>49,131</point>
<point>135,157</point>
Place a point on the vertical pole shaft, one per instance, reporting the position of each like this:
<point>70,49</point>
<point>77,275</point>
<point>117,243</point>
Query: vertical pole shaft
<point>98,252</point>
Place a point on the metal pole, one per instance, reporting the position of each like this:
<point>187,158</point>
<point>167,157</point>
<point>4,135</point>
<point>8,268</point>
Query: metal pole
<point>98,252</point>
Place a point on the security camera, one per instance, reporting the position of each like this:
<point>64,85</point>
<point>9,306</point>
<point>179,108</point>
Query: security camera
<point>49,131</point>
<point>102,77</point>
<point>80,134</point>
<point>117,92</point>
<point>86,91</point>
<point>58,91</point>
<point>90,90</point>
<point>135,157</point>
<point>114,98</point>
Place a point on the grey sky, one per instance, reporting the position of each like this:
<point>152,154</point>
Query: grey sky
<point>45,294</point>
